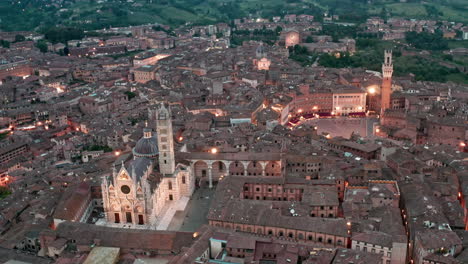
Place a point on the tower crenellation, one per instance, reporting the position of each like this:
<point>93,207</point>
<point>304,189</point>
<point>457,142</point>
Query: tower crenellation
<point>387,66</point>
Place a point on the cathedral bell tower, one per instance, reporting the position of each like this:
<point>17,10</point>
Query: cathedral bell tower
<point>387,72</point>
<point>165,140</point>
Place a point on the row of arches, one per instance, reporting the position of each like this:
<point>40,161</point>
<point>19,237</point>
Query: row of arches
<point>219,169</point>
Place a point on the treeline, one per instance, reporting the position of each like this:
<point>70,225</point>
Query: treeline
<point>302,55</point>
<point>426,40</point>
<point>259,32</point>
<point>63,34</point>
<point>422,68</point>
<point>268,36</point>
<point>338,31</point>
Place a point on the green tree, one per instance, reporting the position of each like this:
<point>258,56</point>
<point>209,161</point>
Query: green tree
<point>5,43</point>
<point>63,34</point>
<point>42,46</point>
<point>278,30</point>
<point>130,95</point>
<point>4,192</point>
<point>19,38</point>
<point>426,40</point>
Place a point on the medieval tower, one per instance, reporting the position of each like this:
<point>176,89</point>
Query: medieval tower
<point>165,140</point>
<point>387,72</point>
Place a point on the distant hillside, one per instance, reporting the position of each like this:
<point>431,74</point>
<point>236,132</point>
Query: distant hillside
<point>96,14</point>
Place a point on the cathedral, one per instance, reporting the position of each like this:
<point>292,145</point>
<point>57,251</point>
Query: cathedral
<point>137,192</point>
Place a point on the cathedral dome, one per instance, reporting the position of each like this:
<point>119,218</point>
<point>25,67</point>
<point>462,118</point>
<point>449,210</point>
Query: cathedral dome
<point>147,146</point>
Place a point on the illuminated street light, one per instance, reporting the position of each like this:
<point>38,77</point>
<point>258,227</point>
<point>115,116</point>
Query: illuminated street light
<point>214,150</point>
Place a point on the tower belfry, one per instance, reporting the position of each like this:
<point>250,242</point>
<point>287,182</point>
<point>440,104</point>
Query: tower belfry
<point>387,72</point>
<point>165,140</point>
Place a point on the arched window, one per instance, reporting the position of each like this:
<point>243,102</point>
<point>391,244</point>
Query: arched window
<point>169,185</point>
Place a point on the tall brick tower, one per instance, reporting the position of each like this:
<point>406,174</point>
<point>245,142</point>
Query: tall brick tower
<point>387,71</point>
<point>165,140</point>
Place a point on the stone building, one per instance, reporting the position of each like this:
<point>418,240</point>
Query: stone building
<point>261,61</point>
<point>20,68</point>
<point>137,193</point>
<point>145,73</point>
